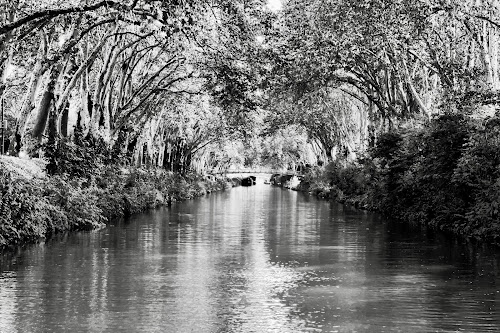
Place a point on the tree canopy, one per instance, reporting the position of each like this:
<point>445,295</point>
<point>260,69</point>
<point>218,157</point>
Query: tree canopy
<point>172,83</point>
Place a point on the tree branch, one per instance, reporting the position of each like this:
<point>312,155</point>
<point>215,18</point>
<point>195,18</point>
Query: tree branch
<point>51,13</point>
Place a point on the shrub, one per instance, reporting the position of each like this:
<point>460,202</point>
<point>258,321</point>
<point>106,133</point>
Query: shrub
<point>446,174</point>
<point>79,202</point>
<point>75,156</point>
<point>477,175</point>
<point>24,213</point>
<point>80,199</point>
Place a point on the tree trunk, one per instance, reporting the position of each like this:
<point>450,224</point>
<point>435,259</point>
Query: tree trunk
<point>84,93</point>
<point>28,104</point>
<point>413,91</point>
<point>76,76</point>
<point>63,122</point>
<point>96,118</point>
<point>489,52</point>
<point>46,104</point>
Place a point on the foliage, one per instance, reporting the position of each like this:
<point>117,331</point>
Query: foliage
<point>39,207</point>
<point>285,149</point>
<point>315,180</point>
<point>20,213</point>
<point>478,174</point>
<point>159,80</point>
<point>75,156</point>
<point>446,174</point>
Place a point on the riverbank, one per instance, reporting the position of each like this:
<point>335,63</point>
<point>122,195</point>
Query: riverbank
<point>35,206</point>
<point>445,175</point>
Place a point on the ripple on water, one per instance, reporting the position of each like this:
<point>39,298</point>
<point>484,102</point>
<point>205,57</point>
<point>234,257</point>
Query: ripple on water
<point>257,259</point>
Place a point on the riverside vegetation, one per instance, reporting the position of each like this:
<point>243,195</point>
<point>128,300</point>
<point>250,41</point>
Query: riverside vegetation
<point>445,175</point>
<point>82,190</point>
<point>388,101</point>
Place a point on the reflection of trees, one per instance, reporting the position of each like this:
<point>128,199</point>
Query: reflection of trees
<point>8,300</point>
<point>251,258</point>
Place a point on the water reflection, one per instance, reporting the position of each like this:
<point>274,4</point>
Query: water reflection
<point>256,259</point>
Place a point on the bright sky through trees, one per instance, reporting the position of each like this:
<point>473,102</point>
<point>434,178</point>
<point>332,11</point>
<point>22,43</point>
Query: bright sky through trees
<point>274,5</point>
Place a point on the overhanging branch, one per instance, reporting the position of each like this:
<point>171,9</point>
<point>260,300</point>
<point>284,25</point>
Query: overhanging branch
<point>51,13</point>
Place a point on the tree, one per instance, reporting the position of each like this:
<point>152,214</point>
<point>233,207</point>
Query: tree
<point>124,69</point>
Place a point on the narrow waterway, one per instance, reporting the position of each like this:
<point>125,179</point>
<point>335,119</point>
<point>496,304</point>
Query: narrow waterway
<point>257,259</point>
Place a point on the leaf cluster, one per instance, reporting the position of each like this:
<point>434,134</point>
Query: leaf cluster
<point>446,175</point>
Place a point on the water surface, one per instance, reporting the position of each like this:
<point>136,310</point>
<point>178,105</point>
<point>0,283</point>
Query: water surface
<point>257,259</point>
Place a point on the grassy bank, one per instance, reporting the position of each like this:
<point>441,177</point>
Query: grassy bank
<point>34,205</point>
<point>445,175</point>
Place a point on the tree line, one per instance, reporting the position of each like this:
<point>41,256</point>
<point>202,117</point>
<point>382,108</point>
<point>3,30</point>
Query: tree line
<point>349,71</point>
<point>159,82</point>
<point>402,98</point>
<point>175,83</point>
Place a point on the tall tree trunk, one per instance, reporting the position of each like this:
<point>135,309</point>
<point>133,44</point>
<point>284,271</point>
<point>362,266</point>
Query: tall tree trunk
<point>85,98</point>
<point>28,104</point>
<point>96,118</point>
<point>62,110</point>
<point>46,104</point>
<point>413,91</point>
<point>489,52</point>
<point>61,103</point>
<point>62,122</point>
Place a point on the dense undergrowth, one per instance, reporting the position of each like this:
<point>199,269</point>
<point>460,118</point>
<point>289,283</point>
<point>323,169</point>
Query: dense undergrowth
<point>84,190</point>
<point>445,175</point>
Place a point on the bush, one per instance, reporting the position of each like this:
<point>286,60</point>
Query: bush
<point>34,208</point>
<point>75,156</point>
<point>24,213</point>
<point>478,176</point>
<point>79,202</point>
<point>446,174</point>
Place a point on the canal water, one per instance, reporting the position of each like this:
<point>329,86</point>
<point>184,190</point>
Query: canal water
<point>256,259</point>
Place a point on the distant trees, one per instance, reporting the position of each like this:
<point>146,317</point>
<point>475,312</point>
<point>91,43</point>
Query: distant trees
<point>287,150</point>
<point>344,71</point>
